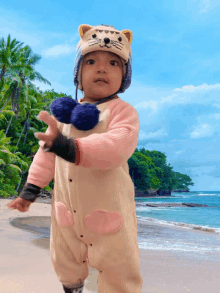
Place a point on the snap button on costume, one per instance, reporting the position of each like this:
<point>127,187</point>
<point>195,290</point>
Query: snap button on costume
<point>93,211</point>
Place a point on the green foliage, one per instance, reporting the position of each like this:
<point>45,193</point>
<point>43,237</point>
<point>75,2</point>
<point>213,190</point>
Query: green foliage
<point>149,170</point>
<point>181,181</point>
<point>21,102</point>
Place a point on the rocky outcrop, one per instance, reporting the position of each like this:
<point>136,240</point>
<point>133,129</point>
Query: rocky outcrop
<point>171,205</point>
<point>156,192</point>
<point>163,192</point>
<point>147,193</point>
<point>196,205</point>
<point>151,192</point>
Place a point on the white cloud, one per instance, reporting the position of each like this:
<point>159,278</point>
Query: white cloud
<point>59,50</point>
<point>168,99</point>
<point>180,152</point>
<point>207,126</point>
<point>202,130</point>
<point>192,88</point>
<point>205,6</point>
<point>144,105</point>
<point>160,133</point>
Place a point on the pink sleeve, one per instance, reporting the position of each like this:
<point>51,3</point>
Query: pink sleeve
<point>108,150</point>
<point>42,169</point>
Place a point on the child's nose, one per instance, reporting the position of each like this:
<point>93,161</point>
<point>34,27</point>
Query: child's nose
<point>102,67</point>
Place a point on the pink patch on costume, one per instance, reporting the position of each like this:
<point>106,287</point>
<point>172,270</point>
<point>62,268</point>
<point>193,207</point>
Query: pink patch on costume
<point>102,221</point>
<point>63,216</point>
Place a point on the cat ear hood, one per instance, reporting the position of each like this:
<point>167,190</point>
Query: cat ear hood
<point>108,39</point>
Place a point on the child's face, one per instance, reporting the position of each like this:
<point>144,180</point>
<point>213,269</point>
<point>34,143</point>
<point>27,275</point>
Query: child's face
<point>100,64</point>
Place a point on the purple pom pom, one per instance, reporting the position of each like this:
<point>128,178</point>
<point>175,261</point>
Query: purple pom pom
<point>85,117</point>
<point>62,108</point>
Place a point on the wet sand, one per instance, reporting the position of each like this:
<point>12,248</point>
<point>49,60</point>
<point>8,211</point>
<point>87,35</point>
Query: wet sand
<point>26,265</point>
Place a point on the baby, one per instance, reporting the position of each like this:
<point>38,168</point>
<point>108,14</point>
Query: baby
<point>93,210</point>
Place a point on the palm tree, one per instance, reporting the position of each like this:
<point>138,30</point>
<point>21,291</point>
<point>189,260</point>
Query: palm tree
<point>21,78</point>
<point>16,64</point>
<point>7,54</point>
<point>17,72</point>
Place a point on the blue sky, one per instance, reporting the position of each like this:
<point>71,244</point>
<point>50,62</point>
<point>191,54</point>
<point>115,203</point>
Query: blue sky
<point>176,69</point>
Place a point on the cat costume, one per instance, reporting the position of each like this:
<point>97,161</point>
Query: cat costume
<point>93,210</point>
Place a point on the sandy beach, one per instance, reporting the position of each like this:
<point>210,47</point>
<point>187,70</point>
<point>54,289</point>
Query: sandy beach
<point>26,265</point>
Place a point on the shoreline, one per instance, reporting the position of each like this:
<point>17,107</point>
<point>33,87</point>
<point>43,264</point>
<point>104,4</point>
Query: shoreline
<point>162,271</point>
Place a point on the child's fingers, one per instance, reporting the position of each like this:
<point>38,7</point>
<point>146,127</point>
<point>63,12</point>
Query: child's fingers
<point>21,208</point>
<point>42,136</point>
<point>11,208</point>
<point>43,115</point>
<point>19,205</point>
<point>49,136</point>
<point>10,205</point>
<point>49,120</point>
<point>52,131</point>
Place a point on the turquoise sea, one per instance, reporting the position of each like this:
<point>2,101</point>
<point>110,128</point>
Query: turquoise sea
<point>191,229</point>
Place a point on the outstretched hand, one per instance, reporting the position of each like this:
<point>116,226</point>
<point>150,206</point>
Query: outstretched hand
<point>52,131</point>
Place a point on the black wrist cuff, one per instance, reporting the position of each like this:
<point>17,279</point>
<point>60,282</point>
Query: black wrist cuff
<point>63,147</point>
<point>30,192</point>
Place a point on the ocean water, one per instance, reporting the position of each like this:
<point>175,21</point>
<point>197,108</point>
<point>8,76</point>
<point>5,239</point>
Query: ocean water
<point>191,229</point>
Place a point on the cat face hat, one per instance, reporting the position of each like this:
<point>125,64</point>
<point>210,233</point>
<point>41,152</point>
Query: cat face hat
<point>104,38</point>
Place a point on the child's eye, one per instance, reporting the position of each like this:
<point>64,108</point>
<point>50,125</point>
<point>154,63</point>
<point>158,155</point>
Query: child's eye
<point>89,61</point>
<point>114,61</point>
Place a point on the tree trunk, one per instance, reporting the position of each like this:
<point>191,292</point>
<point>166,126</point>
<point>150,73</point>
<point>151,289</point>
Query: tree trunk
<point>27,127</point>
<point>8,126</point>
<point>16,102</point>
<point>132,177</point>
<point>13,92</point>
<point>5,104</point>
<point>2,73</point>
<point>17,188</point>
<point>21,134</point>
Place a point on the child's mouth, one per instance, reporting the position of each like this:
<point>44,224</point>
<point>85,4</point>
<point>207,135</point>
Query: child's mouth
<point>101,80</point>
